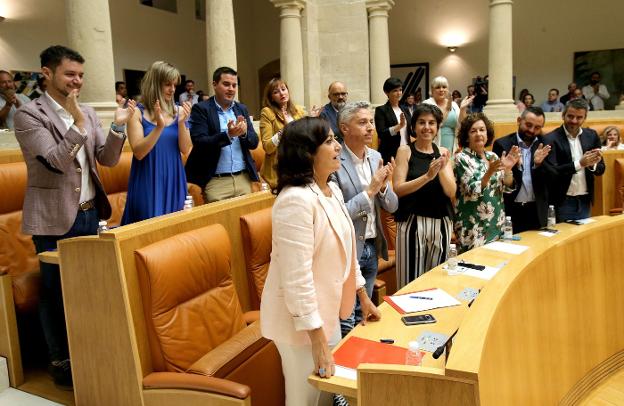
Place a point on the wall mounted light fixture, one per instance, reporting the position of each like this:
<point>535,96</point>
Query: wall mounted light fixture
<point>452,49</point>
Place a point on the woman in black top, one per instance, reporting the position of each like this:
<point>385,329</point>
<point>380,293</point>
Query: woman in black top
<point>424,181</point>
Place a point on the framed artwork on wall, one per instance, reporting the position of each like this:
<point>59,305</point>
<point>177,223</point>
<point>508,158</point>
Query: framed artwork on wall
<point>415,77</point>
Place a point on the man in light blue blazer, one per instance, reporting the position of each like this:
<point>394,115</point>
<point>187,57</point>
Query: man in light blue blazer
<point>364,181</point>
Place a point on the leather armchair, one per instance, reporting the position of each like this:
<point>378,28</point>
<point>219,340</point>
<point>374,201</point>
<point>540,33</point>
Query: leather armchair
<point>198,335</point>
<point>619,186</point>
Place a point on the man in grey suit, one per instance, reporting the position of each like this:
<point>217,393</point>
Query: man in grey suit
<point>61,141</point>
<point>364,181</point>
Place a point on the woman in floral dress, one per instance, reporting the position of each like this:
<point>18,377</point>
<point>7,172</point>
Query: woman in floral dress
<point>482,178</point>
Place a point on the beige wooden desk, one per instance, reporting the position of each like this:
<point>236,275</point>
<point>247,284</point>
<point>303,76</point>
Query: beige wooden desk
<point>521,342</point>
<point>49,257</point>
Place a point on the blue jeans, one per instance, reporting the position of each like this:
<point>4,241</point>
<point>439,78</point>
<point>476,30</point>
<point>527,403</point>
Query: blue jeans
<point>51,311</point>
<point>574,208</point>
<point>368,267</point>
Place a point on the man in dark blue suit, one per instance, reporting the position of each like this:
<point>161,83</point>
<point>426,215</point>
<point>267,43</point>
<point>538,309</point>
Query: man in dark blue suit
<point>337,94</point>
<point>222,134</point>
<point>528,203</point>
<point>575,159</point>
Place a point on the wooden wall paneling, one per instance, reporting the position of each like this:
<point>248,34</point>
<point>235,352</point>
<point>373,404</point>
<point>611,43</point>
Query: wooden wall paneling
<point>9,339</point>
<point>105,364</point>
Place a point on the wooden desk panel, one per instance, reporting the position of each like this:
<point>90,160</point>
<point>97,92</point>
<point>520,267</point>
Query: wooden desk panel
<point>545,330</point>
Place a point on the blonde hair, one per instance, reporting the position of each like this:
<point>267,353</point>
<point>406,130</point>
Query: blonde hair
<point>151,86</point>
<point>439,81</point>
<point>603,136</point>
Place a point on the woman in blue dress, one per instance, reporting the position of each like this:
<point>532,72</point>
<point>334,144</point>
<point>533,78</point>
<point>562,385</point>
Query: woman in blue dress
<point>159,136</point>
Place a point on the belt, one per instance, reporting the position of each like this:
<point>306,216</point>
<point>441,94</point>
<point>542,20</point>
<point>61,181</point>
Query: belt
<point>578,197</point>
<point>223,175</point>
<point>523,203</point>
<point>88,205</point>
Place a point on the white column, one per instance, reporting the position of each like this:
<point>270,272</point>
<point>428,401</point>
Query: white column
<point>291,48</point>
<point>379,47</point>
<point>500,65</point>
<point>220,36</point>
<point>89,33</point>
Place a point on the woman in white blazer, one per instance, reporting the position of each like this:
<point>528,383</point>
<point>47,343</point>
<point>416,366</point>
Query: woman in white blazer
<point>314,274</point>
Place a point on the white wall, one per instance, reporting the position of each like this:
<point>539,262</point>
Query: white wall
<point>546,35</point>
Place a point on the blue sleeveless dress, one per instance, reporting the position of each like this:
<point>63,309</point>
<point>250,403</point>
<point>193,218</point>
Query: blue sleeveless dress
<point>157,183</point>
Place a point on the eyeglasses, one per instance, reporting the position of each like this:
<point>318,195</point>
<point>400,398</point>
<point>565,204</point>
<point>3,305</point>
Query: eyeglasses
<point>344,94</point>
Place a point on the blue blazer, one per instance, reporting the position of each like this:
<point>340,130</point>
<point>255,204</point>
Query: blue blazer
<point>357,203</point>
<point>208,139</point>
<point>328,113</point>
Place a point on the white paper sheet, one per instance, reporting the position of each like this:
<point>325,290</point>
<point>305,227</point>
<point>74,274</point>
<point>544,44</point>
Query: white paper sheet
<point>487,274</point>
<point>344,372</point>
<point>506,247</point>
<point>410,302</point>
<point>586,221</point>
<point>547,234</point>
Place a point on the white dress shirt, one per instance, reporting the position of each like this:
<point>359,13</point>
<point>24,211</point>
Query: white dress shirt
<point>403,131</point>
<point>87,188</point>
<point>365,175</point>
<point>578,184</point>
<point>596,99</point>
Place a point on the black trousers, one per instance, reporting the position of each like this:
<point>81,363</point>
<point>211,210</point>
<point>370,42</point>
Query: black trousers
<point>524,216</point>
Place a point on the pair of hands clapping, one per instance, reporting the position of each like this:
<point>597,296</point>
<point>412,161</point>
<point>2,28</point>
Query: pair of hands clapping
<point>438,164</point>
<point>381,177</point>
<point>183,113</point>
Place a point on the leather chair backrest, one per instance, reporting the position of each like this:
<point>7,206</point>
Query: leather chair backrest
<point>115,179</point>
<point>389,228</point>
<point>258,156</point>
<point>13,178</point>
<point>189,300</point>
<point>256,230</point>
<point>619,182</point>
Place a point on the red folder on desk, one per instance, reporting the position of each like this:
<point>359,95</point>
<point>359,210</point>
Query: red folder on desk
<point>357,350</point>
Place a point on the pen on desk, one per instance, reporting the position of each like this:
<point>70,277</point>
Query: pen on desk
<point>421,297</point>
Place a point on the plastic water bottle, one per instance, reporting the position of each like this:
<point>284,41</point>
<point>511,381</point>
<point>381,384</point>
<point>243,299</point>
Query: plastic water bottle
<point>265,186</point>
<point>102,226</point>
<point>451,261</point>
<point>188,204</point>
<point>552,218</point>
<point>189,198</point>
<point>508,229</point>
<point>413,356</point>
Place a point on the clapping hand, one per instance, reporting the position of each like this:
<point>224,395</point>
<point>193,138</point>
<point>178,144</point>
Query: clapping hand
<point>494,165</point>
<point>73,108</point>
<point>158,116</point>
<point>540,154</point>
<point>315,111</point>
<point>124,111</point>
<point>184,112</point>
<point>238,128</point>
<point>379,178</point>
<point>591,157</point>
<point>435,166</point>
<point>508,160</point>
<point>466,102</point>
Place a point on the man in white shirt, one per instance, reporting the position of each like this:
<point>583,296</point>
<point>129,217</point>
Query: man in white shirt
<point>189,94</point>
<point>364,182</point>
<point>595,92</point>
<point>9,100</point>
<point>61,141</point>
<point>574,160</point>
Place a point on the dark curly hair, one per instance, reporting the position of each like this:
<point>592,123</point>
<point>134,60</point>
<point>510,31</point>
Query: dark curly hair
<point>295,153</point>
<point>424,108</point>
<point>466,125</point>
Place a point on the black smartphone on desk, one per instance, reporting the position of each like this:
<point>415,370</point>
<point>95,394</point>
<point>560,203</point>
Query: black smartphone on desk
<point>418,319</point>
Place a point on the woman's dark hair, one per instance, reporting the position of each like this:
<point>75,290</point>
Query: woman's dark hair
<point>424,108</point>
<point>391,83</point>
<point>295,153</point>
<point>466,125</point>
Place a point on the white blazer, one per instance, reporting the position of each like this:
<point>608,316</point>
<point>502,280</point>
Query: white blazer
<point>310,283</point>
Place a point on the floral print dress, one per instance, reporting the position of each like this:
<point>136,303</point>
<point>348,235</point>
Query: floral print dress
<point>479,214</point>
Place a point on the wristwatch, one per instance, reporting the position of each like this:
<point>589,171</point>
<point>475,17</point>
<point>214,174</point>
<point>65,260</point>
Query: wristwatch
<point>121,129</point>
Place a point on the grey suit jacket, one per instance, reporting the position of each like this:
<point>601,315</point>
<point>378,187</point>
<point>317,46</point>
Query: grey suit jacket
<point>54,174</point>
<point>357,203</point>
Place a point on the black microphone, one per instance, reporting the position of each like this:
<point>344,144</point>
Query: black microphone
<point>440,350</point>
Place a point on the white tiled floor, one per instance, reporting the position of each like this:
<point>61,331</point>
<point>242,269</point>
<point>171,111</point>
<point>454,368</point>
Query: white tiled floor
<point>14,397</point>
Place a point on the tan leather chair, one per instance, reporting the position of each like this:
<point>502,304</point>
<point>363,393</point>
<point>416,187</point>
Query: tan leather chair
<point>196,329</point>
<point>619,186</point>
<point>387,269</point>
<point>256,232</point>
